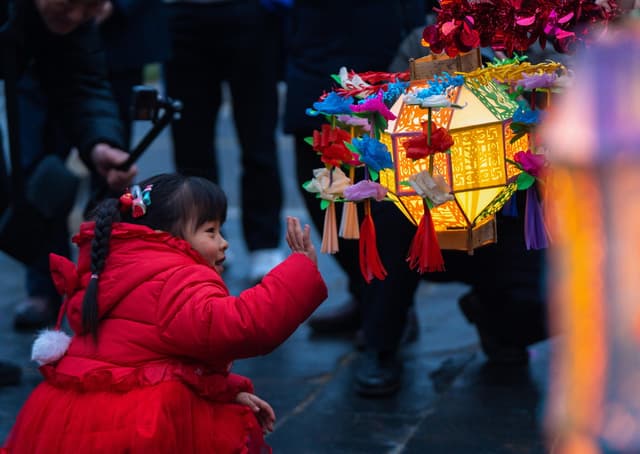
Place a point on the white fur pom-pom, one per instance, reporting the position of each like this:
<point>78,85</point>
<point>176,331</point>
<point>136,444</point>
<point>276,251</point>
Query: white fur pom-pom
<point>49,346</point>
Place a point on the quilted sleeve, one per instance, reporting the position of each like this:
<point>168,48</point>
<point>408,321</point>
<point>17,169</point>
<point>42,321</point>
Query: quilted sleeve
<point>198,318</point>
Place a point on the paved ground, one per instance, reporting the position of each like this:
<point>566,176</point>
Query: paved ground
<point>450,402</point>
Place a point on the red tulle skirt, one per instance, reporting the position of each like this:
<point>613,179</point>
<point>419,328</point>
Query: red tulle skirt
<point>164,418</point>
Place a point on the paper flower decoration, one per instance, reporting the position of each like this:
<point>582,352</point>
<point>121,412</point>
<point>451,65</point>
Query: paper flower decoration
<point>332,104</point>
<point>374,104</point>
<point>365,189</point>
<point>356,122</point>
<point>350,80</point>
<point>373,153</point>
<point>422,145</point>
<point>329,142</point>
<point>524,121</point>
<point>533,81</point>
<point>526,116</point>
<point>329,184</point>
<point>433,101</point>
<point>530,162</point>
<point>353,83</point>
<point>393,91</point>
<point>434,188</point>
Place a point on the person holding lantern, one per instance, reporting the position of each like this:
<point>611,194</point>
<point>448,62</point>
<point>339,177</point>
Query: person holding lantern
<point>321,41</point>
<point>506,301</point>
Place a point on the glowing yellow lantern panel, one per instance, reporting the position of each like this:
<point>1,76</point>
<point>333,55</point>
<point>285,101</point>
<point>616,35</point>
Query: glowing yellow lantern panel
<point>476,168</point>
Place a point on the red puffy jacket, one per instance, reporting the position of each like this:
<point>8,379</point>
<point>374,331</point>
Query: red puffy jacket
<point>158,380</point>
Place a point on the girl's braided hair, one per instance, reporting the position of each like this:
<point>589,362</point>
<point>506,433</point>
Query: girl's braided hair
<point>179,205</point>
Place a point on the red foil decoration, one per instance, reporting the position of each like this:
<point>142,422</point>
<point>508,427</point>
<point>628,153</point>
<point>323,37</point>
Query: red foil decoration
<point>514,25</point>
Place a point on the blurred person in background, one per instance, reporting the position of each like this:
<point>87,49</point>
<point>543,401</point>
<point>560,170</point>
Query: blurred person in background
<point>135,34</point>
<point>233,41</point>
<point>124,26</point>
<point>60,41</point>
<point>361,35</point>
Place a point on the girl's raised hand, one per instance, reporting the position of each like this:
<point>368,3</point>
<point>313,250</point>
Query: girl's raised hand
<point>265,414</point>
<point>299,240</point>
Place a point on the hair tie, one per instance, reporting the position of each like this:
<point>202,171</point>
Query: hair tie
<point>94,276</point>
<point>136,200</point>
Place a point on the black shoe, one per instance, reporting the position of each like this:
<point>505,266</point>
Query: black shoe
<point>496,350</point>
<point>35,312</point>
<point>10,374</point>
<point>378,374</point>
<point>343,319</point>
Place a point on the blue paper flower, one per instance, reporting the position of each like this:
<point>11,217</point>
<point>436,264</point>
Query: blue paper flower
<point>394,90</point>
<point>526,116</point>
<point>440,85</point>
<point>373,153</point>
<point>333,104</point>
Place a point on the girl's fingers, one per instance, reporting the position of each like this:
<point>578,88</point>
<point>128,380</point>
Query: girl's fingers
<point>306,237</point>
<point>294,236</point>
<point>265,408</point>
<point>290,234</point>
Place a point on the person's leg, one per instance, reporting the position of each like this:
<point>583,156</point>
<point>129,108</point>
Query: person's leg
<point>386,303</point>
<point>253,82</point>
<point>513,298</point>
<point>40,134</point>
<point>43,302</point>
<point>4,184</point>
<point>507,302</point>
<point>192,75</point>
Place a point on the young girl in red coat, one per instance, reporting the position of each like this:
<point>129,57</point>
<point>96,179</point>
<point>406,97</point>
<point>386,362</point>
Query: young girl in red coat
<point>156,331</point>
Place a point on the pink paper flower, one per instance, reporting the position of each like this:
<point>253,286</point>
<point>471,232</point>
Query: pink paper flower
<point>374,104</point>
<point>533,81</point>
<point>350,120</point>
<point>365,189</point>
<point>531,163</point>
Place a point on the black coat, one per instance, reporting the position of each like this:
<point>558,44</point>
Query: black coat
<point>72,71</point>
<point>136,34</point>
<point>362,35</point>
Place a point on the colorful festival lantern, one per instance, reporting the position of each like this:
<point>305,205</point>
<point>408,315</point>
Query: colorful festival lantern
<point>477,169</point>
<point>594,148</point>
<point>450,153</point>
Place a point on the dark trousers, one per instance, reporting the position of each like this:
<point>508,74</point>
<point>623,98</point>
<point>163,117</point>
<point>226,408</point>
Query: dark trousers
<point>233,42</point>
<point>508,279</point>
<point>40,134</point>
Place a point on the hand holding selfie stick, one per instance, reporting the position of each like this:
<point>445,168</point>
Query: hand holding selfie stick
<point>146,105</point>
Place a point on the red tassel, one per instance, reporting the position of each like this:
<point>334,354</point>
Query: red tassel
<point>424,253</point>
<point>370,264</point>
